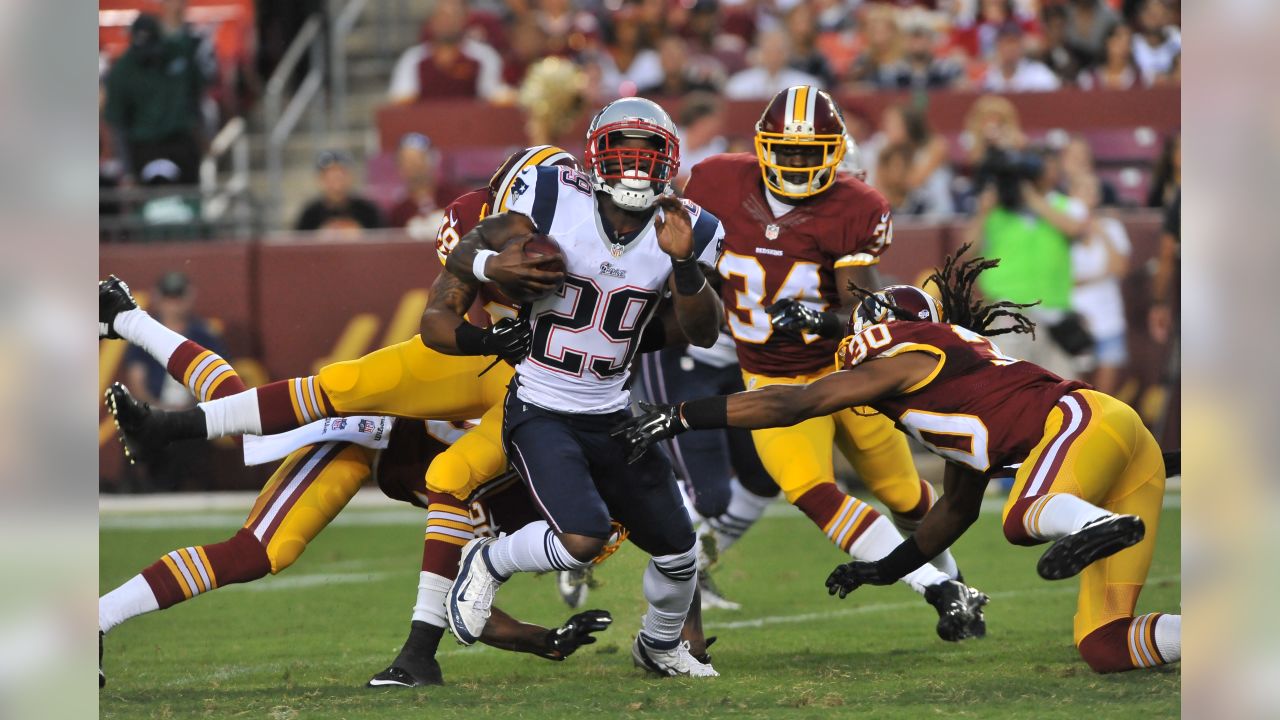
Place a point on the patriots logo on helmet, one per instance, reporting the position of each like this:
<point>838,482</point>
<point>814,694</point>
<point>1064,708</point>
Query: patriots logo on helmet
<point>518,188</point>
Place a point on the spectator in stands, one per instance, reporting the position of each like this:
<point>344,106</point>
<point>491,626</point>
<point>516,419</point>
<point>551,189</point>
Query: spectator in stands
<point>1157,43</point>
<point>1012,70</point>
<point>1161,318</point>
<point>892,179</point>
<point>682,74</point>
<point>172,303</point>
<point>1054,50</point>
<point>977,36</point>
<point>1099,262</point>
<point>992,121</point>
<point>919,68</point>
<point>417,210</point>
<point>927,176</point>
<point>628,62</point>
<point>1168,174</point>
<point>169,210</point>
<point>769,74</point>
<point>1029,226</point>
<point>802,28</point>
<point>882,46</point>
<point>154,93</point>
<point>834,16</point>
<point>1089,24</point>
<point>338,208</point>
<point>1117,71</point>
<point>447,64</point>
<point>701,124</point>
<point>528,45</point>
<point>1078,166</point>
<point>569,30</point>
<point>702,30</point>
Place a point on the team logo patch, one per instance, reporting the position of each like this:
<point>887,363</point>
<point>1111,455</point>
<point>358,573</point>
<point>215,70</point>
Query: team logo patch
<point>518,188</point>
<point>771,232</point>
<point>607,268</point>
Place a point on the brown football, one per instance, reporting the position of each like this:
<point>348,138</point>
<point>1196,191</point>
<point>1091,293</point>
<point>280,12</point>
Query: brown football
<point>544,246</point>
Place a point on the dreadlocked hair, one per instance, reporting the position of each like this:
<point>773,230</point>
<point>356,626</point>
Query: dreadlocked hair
<point>955,282</point>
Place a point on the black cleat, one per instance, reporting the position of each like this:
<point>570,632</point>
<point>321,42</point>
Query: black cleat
<point>102,677</point>
<point>113,298</point>
<point>142,431</point>
<point>959,610</point>
<point>396,676</point>
<point>1103,537</point>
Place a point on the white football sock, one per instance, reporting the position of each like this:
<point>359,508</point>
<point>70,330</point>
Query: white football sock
<point>232,415</point>
<point>131,599</point>
<point>945,562</point>
<point>745,508</point>
<point>1058,514</point>
<point>139,328</point>
<point>532,548</point>
<point>879,539</point>
<point>1168,634</point>
<point>669,582</point>
<point>432,590</point>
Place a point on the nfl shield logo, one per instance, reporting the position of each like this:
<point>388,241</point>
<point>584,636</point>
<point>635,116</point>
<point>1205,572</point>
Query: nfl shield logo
<point>616,250</point>
<point>771,232</point>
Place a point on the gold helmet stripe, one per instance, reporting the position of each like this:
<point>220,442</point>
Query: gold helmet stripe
<point>536,156</point>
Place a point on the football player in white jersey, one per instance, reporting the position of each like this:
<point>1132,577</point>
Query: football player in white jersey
<point>625,239</point>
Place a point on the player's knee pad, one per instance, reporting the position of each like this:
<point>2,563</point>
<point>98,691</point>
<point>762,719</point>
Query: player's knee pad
<point>798,489</point>
<point>239,559</point>
<point>679,566</point>
<point>450,473</point>
<point>1106,649</point>
<point>901,493</point>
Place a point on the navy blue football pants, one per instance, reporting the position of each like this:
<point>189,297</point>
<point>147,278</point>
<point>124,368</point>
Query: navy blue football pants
<point>705,460</point>
<point>579,478</point>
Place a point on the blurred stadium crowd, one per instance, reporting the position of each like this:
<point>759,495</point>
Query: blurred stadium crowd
<point>175,74</point>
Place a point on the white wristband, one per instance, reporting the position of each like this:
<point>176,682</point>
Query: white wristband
<point>477,265</point>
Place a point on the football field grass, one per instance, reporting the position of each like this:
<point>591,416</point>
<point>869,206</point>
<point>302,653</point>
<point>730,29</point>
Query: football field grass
<point>302,644</point>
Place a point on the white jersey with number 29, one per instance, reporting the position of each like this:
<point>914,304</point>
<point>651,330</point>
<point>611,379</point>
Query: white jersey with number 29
<point>585,335</point>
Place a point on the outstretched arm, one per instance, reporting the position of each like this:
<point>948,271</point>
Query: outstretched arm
<point>506,633</point>
<point>778,405</point>
<point>945,522</point>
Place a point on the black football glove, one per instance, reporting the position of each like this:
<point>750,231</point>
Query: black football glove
<point>566,639</point>
<point>851,576</point>
<point>791,314</point>
<point>658,423</point>
<point>509,339</point>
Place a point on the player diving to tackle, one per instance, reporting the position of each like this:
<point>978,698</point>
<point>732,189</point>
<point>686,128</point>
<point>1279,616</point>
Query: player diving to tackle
<point>324,463</point>
<point>797,234</point>
<point>1089,478</point>
<point>624,240</point>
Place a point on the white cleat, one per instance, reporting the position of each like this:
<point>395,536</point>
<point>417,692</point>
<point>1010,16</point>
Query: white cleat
<point>470,598</point>
<point>677,661</point>
<point>575,585</point>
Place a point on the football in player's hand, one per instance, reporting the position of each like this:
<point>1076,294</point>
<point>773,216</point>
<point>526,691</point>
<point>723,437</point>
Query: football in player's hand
<point>544,250</point>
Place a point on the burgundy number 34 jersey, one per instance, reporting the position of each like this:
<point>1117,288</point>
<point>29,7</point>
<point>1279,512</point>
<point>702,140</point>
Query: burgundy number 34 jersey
<point>978,408</point>
<point>769,258</point>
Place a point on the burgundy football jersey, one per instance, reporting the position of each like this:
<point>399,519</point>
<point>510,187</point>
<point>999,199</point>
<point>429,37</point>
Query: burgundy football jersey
<point>766,259</point>
<point>980,408</point>
<point>463,214</point>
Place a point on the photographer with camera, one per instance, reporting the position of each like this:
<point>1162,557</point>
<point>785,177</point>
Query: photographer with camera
<point>1025,222</point>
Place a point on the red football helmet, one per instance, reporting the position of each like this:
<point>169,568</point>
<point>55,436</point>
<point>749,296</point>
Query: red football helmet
<point>895,302</point>
<point>517,162</point>
<point>799,118</point>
